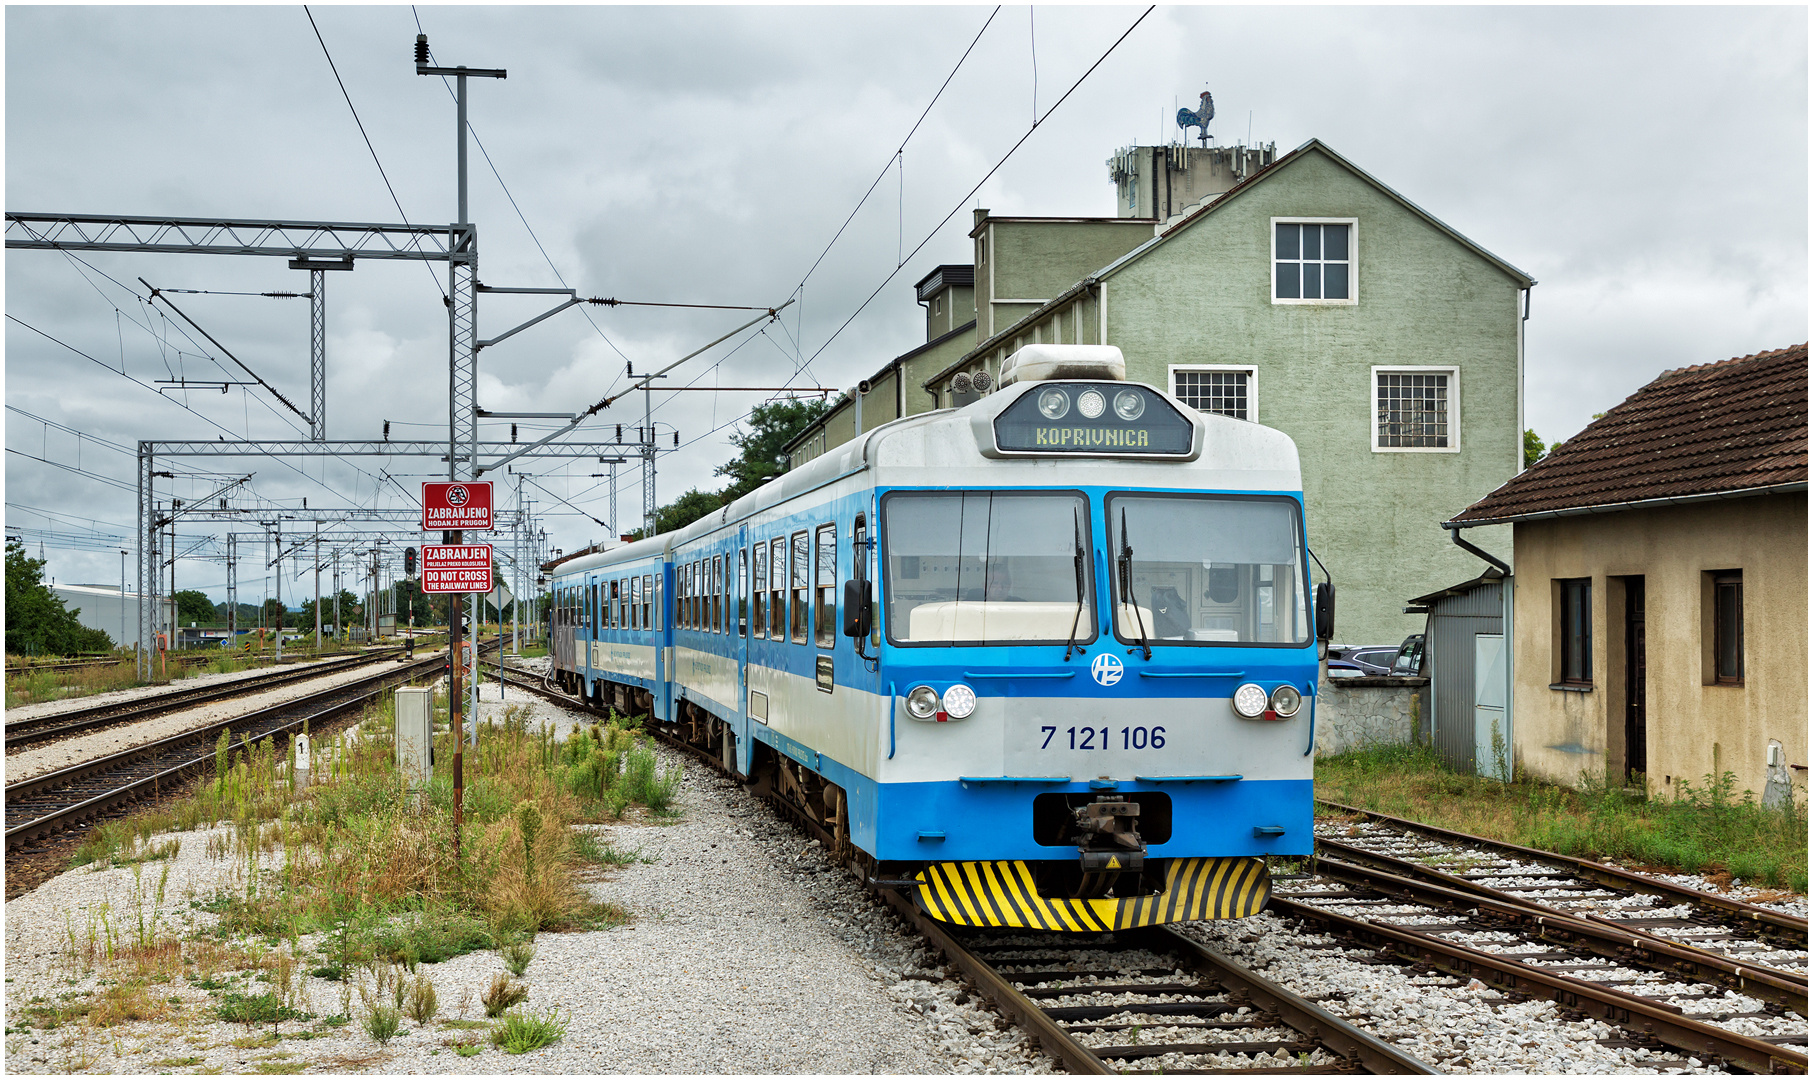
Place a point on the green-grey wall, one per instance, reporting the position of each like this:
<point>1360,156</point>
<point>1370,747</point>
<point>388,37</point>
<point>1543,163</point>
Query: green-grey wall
<point>1037,260</point>
<point>1204,296</point>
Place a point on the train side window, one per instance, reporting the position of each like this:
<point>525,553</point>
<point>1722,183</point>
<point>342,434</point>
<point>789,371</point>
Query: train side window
<point>648,598</point>
<point>720,605</point>
<point>802,584</point>
<point>825,574</point>
<point>682,597</point>
<point>758,621</point>
<point>692,591</point>
<point>742,592</point>
<point>623,603</point>
<point>777,583</point>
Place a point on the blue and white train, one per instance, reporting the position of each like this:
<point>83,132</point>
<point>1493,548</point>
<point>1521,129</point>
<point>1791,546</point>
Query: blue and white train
<point>1046,660</point>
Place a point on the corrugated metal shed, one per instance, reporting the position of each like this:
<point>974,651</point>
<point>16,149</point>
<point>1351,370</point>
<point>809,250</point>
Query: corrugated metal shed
<point>1457,615</point>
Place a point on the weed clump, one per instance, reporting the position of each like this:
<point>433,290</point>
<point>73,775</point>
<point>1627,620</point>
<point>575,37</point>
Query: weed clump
<point>503,993</point>
<point>520,1032</point>
<point>517,955</point>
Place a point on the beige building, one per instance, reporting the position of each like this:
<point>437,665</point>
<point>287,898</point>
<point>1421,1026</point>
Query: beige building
<point>1660,600</point>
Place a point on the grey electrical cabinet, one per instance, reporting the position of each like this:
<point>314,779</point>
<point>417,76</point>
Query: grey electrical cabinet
<point>415,734</point>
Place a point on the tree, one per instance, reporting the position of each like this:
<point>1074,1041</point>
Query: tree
<point>193,606</point>
<point>771,426</point>
<point>36,619</point>
<point>687,509</point>
<point>1532,448</point>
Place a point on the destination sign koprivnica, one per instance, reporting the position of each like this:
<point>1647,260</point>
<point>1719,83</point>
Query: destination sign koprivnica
<point>464,505</point>
<point>456,568</point>
<point>1095,419</point>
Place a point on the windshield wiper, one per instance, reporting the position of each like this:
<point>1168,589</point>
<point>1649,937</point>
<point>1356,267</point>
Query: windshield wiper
<point>1126,575</point>
<point>1077,558</point>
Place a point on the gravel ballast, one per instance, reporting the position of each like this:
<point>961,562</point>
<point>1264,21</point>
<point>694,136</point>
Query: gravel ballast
<point>749,952</point>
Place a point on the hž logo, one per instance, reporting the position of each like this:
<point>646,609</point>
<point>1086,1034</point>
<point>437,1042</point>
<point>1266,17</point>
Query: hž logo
<point>457,495</point>
<point>1106,668</point>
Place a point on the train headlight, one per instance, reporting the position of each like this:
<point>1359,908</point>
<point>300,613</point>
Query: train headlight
<point>1286,700</point>
<point>1091,403</point>
<point>1054,404</point>
<point>1250,701</point>
<point>959,701</point>
<point>1129,405</point>
<point>922,702</point>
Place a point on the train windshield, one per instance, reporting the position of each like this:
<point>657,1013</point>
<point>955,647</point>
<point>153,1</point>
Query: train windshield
<point>1207,569</point>
<point>982,567</point>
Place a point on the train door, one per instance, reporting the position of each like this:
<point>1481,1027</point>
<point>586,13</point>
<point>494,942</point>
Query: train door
<point>739,622</point>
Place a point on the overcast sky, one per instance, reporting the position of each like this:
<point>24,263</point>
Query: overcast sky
<point>1648,166</point>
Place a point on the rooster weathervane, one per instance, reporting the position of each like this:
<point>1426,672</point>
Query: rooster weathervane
<point>1198,118</point>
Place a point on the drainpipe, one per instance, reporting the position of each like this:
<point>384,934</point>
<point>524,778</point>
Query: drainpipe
<point>1508,587</point>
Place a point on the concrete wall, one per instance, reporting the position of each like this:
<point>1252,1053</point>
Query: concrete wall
<point>1694,728</point>
<point>1035,260</point>
<point>1356,713</point>
<point>950,308</point>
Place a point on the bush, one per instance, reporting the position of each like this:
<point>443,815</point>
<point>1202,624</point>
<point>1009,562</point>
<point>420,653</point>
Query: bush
<point>518,1033</point>
<point>421,1002</point>
<point>503,993</point>
<point>383,1022</point>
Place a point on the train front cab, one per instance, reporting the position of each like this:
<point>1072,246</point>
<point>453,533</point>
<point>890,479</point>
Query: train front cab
<point>1104,777</point>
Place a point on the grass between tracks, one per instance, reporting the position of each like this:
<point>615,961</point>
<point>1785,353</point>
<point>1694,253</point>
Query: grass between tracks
<point>1711,829</point>
<point>35,686</point>
<point>366,870</point>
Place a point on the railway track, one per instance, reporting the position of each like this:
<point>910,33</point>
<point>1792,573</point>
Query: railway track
<point>76,796</point>
<point>1755,949</point>
<point>1664,995</point>
<point>22,733</point>
<point>1136,1001</point>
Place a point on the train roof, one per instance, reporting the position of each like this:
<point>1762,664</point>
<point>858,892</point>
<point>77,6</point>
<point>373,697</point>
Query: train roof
<point>925,448</point>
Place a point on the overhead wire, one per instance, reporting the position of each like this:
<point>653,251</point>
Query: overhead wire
<point>959,206</point>
<point>985,178</point>
<point>374,150</point>
<point>486,154</point>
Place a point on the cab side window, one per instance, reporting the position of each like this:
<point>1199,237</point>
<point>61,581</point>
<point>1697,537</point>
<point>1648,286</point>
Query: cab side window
<point>825,580</point>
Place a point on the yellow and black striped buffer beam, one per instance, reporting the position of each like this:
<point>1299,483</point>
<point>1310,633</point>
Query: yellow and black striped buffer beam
<point>1002,894</point>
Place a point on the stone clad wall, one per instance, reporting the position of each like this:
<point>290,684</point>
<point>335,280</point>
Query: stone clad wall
<point>1352,713</point>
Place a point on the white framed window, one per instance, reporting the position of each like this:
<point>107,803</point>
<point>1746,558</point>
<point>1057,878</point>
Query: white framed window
<point>1416,410</point>
<point>1225,389</point>
<point>1313,261</point>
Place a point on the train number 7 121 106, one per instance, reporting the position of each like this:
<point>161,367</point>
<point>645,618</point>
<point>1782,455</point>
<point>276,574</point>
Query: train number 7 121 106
<point>1093,738</point>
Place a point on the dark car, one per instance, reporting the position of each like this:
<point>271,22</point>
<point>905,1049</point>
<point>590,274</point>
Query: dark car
<point>1409,658</point>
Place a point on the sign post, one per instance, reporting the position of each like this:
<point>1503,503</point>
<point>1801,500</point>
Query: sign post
<point>453,508</point>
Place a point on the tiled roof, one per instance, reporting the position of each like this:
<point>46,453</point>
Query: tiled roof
<point>1737,425</point>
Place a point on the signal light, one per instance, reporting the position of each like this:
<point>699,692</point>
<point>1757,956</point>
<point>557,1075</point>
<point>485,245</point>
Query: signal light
<point>409,562</point>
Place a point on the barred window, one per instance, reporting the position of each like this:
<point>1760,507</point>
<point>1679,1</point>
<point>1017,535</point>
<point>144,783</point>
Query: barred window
<point>1226,391</point>
<point>1414,409</point>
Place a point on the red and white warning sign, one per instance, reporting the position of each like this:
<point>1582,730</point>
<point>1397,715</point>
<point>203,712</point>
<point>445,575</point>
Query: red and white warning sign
<point>456,506</point>
<point>456,568</point>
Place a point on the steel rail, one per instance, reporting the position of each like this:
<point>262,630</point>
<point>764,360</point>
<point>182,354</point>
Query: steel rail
<point>1603,937</point>
<point>250,724</point>
<point>1301,1014</point>
<point>1616,1007</point>
<point>1601,873</point>
<point>41,728</point>
<point>1051,1035</point>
